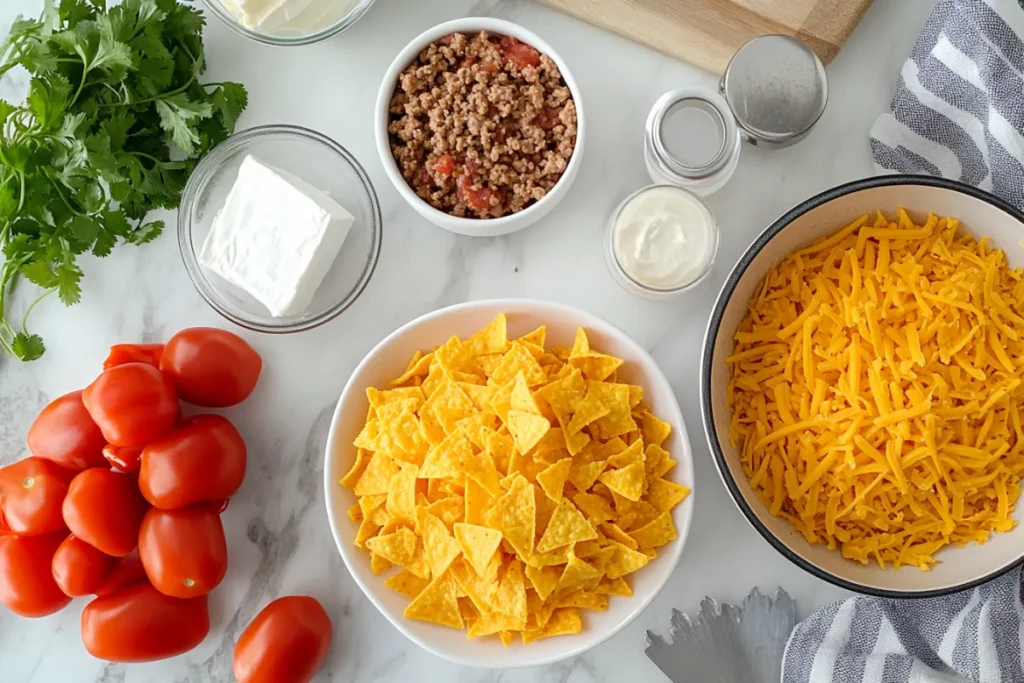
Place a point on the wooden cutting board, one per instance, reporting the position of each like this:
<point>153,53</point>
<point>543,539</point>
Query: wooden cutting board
<point>708,32</point>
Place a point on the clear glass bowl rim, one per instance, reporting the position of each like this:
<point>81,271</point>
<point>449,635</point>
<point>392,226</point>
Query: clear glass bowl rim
<point>613,258</point>
<point>222,13</point>
<point>197,183</point>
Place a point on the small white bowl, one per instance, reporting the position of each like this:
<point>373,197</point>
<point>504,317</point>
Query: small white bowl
<point>388,360</point>
<point>475,227</point>
<point>981,214</point>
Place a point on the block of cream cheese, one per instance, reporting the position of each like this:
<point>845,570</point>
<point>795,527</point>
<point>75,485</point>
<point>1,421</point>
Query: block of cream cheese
<point>276,237</point>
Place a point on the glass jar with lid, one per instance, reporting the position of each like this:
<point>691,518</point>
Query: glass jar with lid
<point>662,239</point>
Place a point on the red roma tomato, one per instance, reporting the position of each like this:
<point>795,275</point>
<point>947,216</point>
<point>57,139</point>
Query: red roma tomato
<point>105,509</point>
<point>211,367</point>
<point>183,551</point>
<point>78,568</point>
<point>203,459</point>
<point>127,571</point>
<point>65,434</point>
<point>132,404</point>
<point>122,459</point>
<point>26,584</point>
<point>133,353</point>
<point>141,624</point>
<point>31,494</point>
<point>286,642</point>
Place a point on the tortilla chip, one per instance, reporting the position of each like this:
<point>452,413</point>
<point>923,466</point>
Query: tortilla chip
<point>492,338</point>
<point>478,544</point>
<point>665,495</point>
<point>627,482</point>
<point>527,429</point>
<point>514,514</point>
<point>655,533</point>
<point>567,526</point>
<point>437,604</point>
<point>441,547</point>
<point>543,579</point>
<point>563,621</point>
<point>376,476</point>
<point>552,479</point>
<point>406,583</point>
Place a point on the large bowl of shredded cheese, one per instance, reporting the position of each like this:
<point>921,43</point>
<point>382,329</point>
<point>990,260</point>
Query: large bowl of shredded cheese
<point>863,385</point>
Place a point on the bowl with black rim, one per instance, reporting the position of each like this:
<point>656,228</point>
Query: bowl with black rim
<point>981,214</point>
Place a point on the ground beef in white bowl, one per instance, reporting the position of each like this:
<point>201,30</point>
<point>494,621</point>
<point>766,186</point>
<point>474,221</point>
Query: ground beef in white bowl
<point>481,126</point>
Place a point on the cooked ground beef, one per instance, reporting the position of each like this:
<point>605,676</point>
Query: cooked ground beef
<point>481,126</point>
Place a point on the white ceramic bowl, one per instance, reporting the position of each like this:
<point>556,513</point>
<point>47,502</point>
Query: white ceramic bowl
<point>388,360</point>
<point>475,227</point>
<point>981,214</point>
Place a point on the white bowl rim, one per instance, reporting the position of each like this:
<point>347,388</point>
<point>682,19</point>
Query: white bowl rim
<point>685,462</point>
<point>382,140</point>
<point>707,352</point>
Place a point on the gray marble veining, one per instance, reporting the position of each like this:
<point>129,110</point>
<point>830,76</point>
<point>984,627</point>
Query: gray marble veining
<point>278,538</point>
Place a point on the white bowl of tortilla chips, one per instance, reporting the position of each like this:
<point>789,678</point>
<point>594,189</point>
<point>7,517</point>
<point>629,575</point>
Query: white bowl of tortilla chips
<point>451,472</point>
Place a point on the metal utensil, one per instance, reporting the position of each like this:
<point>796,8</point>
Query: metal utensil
<point>725,643</point>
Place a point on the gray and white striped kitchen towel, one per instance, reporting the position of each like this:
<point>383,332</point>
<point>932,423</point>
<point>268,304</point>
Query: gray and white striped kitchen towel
<point>958,111</point>
<point>974,636</point>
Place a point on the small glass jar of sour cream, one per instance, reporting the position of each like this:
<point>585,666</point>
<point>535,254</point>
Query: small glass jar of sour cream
<point>661,241</point>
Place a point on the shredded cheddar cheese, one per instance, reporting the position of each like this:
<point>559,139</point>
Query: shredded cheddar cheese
<point>876,390</point>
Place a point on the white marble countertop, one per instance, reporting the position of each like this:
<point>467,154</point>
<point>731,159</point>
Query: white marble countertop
<point>278,538</point>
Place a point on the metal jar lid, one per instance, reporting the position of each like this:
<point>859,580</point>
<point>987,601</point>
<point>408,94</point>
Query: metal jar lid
<point>776,88</point>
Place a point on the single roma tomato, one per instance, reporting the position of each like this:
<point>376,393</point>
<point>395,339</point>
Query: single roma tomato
<point>211,367</point>
<point>32,492</point>
<point>141,624</point>
<point>286,642</point>
<point>183,551</point>
<point>133,353</point>
<point>26,583</point>
<point>65,434</point>
<point>132,403</point>
<point>105,510</point>
<point>78,568</point>
<point>126,571</point>
<point>201,460</point>
<point>123,459</point>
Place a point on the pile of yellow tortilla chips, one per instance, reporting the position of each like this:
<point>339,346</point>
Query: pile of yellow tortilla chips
<point>513,485</point>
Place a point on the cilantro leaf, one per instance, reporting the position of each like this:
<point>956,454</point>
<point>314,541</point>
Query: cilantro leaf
<point>69,277</point>
<point>230,99</point>
<point>6,109</point>
<point>39,273</point>
<point>146,232</point>
<point>175,113</point>
<point>48,98</point>
<point>27,346</point>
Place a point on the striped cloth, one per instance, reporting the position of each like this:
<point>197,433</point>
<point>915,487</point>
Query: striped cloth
<point>958,111</point>
<point>970,637</point>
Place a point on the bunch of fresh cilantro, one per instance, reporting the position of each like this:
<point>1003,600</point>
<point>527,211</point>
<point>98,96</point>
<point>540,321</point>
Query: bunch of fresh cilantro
<point>88,154</point>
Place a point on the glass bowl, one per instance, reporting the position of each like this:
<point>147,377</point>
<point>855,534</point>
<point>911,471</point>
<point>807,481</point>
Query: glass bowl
<point>319,161</point>
<point>346,13</point>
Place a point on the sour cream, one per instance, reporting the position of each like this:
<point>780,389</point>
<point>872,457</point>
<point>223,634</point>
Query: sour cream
<point>663,238</point>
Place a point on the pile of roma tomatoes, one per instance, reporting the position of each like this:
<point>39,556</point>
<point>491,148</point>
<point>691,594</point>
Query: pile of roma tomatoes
<point>121,499</point>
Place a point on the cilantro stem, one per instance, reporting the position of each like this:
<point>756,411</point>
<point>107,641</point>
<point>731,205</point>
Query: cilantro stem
<point>85,72</point>
<point>24,318</point>
<point>63,198</point>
